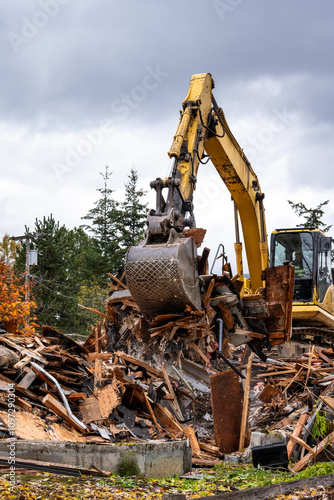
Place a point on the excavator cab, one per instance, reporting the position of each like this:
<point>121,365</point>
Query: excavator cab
<point>309,250</point>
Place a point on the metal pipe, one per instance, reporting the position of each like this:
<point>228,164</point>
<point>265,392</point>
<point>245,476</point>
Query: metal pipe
<point>63,397</point>
<point>220,339</point>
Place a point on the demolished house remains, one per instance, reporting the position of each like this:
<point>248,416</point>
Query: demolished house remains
<point>176,376</point>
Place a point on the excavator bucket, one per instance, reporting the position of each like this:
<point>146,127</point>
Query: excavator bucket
<point>163,278</point>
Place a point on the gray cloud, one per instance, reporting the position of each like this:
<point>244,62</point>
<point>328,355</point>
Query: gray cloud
<point>66,71</point>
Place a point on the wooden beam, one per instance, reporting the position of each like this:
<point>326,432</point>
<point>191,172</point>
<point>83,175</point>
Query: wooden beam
<point>171,391</point>
<point>244,417</point>
<point>297,440</point>
<point>97,376</point>
<point>54,405</point>
<point>207,295</point>
<point>315,451</point>
<point>117,281</point>
<point>194,444</point>
<point>296,432</point>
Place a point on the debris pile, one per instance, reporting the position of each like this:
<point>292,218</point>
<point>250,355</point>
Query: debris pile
<point>64,392</point>
<point>138,378</point>
<point>296,397</point>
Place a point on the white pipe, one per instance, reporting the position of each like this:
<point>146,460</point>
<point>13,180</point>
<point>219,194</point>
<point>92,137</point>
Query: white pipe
<point>63,397</point>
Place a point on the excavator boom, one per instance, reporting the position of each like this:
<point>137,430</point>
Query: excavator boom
<point>162,271</point>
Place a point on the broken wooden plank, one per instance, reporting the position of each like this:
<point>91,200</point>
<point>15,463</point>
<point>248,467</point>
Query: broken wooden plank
<point>24,351</point>
<point>97,376</point>
<point>60,410</point>
<point>90,409</point>
<point>122,285</point>
<point>109,398</point>
<point>171,391</point>
<point>91,309</point>
<point>244,417</point>
<point>297,440</point>
<point>202,355</point>
<point>27,380</point>
<point>197,233</point>
<point>315,451</point>
<point>167,419</point>
<point>207,295</point>
<point>194,444</point>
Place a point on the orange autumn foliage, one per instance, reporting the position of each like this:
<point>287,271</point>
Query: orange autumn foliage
<point>13,307</point>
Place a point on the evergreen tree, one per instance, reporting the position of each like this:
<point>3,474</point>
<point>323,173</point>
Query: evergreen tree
<point>105,221</point>
<point>64,264</point>
<point>312,216</point>
<point>134,213</point>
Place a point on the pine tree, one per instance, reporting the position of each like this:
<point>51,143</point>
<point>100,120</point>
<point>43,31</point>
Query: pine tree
<point>134,213</point>
<point>312,216</point>
<point>105,221</point>
<point>64,264</point>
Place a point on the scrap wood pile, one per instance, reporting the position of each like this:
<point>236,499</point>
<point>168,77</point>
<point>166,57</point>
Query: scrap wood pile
<point>297,397</point>
<point>64,392</point>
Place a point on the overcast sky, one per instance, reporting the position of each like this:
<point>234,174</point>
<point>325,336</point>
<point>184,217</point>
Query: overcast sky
<point>87,83</point>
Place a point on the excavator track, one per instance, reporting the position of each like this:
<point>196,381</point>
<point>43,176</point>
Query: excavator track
<point>314,334</point>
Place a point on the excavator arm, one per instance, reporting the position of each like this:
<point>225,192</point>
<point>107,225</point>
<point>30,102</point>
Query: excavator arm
<point>162,271</point>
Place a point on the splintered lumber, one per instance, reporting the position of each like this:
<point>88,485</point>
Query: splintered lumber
<point>138,362</point>
<point>202,355</point>
<point>27,380</point>
<point>109,399</point>
<point>149,407</point>
<point>315,451</point>
<point>24,351</point>
<point>226,398</point>
<point>91,309</point>
<point>203,265</point>
<point>97,376</point>
<point>167,419</point>
<point>244,417</point>
<point>211,448</point>
<point>194,444</point>
<point>117,280</point>
<point>25,392</point>
<point>268,393</point>
<point>273,374</point>
<point>197,233</point>
<point>297,440</point>
<point>90,409</point>
<point>323,356</point>
<point>171,391</point>
<point>328,401</point>
<point>53,404</point>
<point>226,316</point>
<point>207,295</point>
<point>77,396</point>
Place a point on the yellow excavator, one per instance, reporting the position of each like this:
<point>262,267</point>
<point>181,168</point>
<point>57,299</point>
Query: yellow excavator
<point>162,271</point>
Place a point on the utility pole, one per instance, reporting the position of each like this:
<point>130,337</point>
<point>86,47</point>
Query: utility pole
<point>27,237</point>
